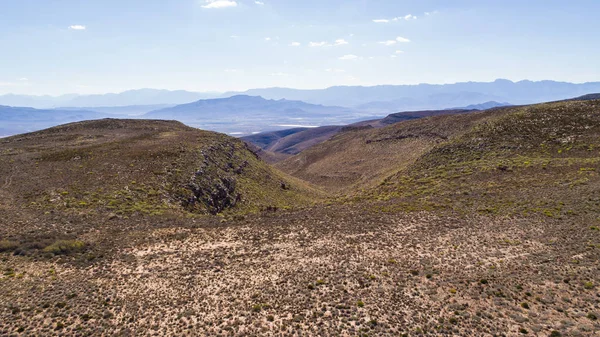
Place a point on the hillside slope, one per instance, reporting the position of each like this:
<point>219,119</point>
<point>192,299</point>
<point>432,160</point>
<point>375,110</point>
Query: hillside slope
<point>293,141</point>
<point>139,166</point>
<point>362,156</point>
<point>543,159</point>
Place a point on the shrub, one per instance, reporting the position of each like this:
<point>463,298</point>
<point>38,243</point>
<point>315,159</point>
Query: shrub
<point>360,304</point>
<point>523,331</point>
<point>65,247</point>
<point>7,246</point>
<point>555,334</point>
<point>525,305</point>
<point>588,285</point>
<point>592,316</point>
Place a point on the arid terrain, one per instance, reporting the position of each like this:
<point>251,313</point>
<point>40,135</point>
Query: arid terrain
<point>473,224</point>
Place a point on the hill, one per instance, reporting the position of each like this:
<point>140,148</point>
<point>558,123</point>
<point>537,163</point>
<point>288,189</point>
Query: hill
<point>541,158</point>
<point>152,167</point>
<point>363,156</point>
<point>293,141</point>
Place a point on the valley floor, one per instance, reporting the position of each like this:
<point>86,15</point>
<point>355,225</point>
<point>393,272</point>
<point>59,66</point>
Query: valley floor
<point>341,270</point>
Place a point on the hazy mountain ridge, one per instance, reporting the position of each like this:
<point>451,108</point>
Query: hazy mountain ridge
<point>125,98</point>
<point>235,104</point>
<point>19,119</point>
<point>384,97</point>
<point>425,96</point>
<point>243,114</point>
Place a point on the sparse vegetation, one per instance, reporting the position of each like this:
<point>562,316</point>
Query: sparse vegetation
<point>479,231</point>
<point>65,247</point>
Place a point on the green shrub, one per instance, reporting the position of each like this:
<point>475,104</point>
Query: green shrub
<point>588,285</point>
<point>7,246</point>
<point>555,334</point>
<point>65,247</point>
<point>360,304</point>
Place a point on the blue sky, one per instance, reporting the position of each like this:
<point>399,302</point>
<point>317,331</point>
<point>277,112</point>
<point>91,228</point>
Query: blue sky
<point>97,46</point>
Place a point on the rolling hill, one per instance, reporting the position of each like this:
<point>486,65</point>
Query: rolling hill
<point>66,168</point>
<point>470,224</point>
<point>281,144</point>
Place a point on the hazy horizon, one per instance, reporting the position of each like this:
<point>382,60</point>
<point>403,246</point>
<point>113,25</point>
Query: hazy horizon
<point>242,92</point>
<point>60,47</point>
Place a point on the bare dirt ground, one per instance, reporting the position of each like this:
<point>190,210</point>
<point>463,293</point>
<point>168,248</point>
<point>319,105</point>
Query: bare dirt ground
<point>327,271</point>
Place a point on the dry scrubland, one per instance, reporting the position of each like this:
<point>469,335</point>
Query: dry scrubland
<point>483,224</point>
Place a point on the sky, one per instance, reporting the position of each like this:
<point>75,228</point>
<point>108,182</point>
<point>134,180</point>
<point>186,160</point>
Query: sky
<point>97,46</point>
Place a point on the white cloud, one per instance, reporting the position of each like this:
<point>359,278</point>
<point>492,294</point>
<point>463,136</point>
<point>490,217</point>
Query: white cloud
<point>349,57</point>
<point>410,17</point>
<point>23,79</point>
<point>267,39</point>
<point>388,42</point>
<point>381,20</point>
<point>331,70</point>
<point>399,52</point>
<point>77,27</point>
<point>219,4</point>
<point>393,56</point>
<point>231,70</point>
<point>280,74</point>
<point>318,44</point>
<point>340,42</point>
<point>259,3</point>
<point>295,44</point>
<point>402,39</point>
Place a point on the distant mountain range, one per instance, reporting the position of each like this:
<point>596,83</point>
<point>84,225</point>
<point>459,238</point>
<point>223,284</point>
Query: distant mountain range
<point>127,98</point>
<point>483,106</point>
<point>128,110</point>
<point>376,99</point>
<point>242,114</point>
<point>394,98</point>
<point>233,106</point>
<point>14,120</point>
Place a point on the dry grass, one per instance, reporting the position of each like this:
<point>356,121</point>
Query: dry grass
<point>415,256</point>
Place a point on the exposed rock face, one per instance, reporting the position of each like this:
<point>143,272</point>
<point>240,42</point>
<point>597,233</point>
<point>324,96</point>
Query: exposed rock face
<point>214,184</point>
